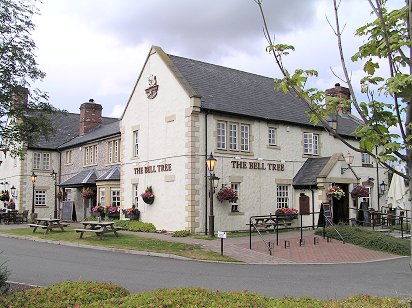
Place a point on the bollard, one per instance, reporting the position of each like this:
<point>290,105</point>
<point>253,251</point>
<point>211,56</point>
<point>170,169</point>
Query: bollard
<point>315,240</point>
<point>287,244</point>
<point>301,242</point>
<point>328,239</point>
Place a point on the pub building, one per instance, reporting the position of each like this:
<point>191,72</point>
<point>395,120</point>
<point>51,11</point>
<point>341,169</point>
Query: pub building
<point>266,149</point>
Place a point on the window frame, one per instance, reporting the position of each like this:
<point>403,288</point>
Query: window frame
<point>366,160</point>
<point>90,155</point>
<point>40,196</point>
<point>135,195</point>
<point>282,196</point>
<point>115,196</point>
<point>236,187</point>
<point>136,143</point>
<point>113,151</point>
<point>310,143</point>
<point>233,136</point>
<point>244,137</point>
<point>272,136</point>
<point>102,196</point>
<point>221,131</point>
<point>68,157</point>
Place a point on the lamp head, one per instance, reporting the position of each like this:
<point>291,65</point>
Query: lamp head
<point>211,162</point>
<point>33,177</point>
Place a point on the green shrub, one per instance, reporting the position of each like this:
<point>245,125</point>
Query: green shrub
<point>136,226</point>
<point>4,274</point>
<point>91,218</point>
<point>369,239</point>
<point>65,294</point>
<point>181,233</point>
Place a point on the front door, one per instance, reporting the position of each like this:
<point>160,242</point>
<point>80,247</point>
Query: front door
<point>341,206</point>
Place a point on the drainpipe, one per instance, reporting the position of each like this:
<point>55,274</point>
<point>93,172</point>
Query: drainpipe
<point>206,191</point>
<point>313,207</point>
<point>377,181</point>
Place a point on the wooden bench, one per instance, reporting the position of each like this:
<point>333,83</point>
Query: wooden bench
<point>98,232</point>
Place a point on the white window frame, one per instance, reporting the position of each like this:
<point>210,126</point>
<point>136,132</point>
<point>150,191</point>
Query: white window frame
<point>282,196</point>
<point>46,161</point>
<point>310,144</point>
<point>236,187</point>
<point>90,155</point>
<point>113,148</point>
<point>135,192</point>
<point>40,197</point>
<point>366,159</point>
<point>68,155</point>
<point>233,136</point>
<point>37,160</point>
<point>115,196</point>
<point>102,196</point>
<point>136,143</point>
<point>221,135</point>
<point>68,193</point>
<point>244,137</point>
<point>272,132</point>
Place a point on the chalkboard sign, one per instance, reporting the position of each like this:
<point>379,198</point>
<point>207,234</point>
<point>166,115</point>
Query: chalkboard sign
<point>67,210</point>
<point>327,213</point>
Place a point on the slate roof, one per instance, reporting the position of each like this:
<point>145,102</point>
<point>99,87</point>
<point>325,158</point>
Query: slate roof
<point>113,174</point>
<point>67,128</point>
<point>232,91</point>
<point>309,172</point>
<point>84,177</point>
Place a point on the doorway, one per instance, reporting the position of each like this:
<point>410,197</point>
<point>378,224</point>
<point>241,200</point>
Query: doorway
<point>341,206</point>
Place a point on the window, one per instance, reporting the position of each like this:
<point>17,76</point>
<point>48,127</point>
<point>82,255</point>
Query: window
<point>68,193</point>
<point>113,147</point>
<point>68,155</point>
<point>36,160</point>
<point>40,198</point>
<point>90,155</point>
<point>135,191</point>
<point>366,160</point>
<point>236,141</point>
<point>115,196</point>
<point>46,161</point>
<point>272,135</point>
<point>221,135</point>
<point>136,143</point>
<point>310,144</point>
<point>233,136</point>
<point>282,196</point>
<point>244,138</point>
<point>368,198</point>
<point>235,187</point>
<point>102,195</point>
<point>41,160</point>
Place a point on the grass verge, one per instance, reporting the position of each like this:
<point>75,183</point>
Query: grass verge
<point>370,239</point>
<point>125,241</point>
<point>92,294</point>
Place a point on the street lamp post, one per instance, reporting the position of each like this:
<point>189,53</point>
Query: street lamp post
<point>54,176</point>
<point>211,164</point>
<point>33,180</point>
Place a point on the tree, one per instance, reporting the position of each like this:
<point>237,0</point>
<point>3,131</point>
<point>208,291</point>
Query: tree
<point>388,107</point>
<point>24,111</point>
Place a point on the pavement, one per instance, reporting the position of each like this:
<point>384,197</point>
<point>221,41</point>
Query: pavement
<point>313,249</point>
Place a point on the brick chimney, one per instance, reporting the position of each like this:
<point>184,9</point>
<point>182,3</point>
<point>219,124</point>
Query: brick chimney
<point>90,116</point>
<point>340,92</point>
<point>20,97</point>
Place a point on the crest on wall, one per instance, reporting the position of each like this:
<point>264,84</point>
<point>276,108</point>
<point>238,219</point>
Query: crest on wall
<point>151,91</point>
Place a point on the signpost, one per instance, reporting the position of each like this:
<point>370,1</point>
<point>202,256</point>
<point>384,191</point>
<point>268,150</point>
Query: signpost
<point>221,235</point>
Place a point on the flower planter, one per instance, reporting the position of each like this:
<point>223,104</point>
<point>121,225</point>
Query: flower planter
<point>148,200</point>
<point>133,216</point>
<point>287,216</point>
<point>115,215</point>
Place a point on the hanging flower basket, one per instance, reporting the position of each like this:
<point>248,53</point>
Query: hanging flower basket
<point>227,193</point>
<point>4,196</point>
<point>87,193</point>
<point>359,191</point>
<point>335,192</point>
<point>147,195</point>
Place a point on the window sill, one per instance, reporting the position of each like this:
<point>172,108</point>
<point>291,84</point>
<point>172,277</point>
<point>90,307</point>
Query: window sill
<point>236,213</point>
<point>275,147</point>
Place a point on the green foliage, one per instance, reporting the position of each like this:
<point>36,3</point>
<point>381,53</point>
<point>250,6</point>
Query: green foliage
<point>27,112</point>
<point>4,274</point>
<point>369,239</point>
<point>65,294</point>
<point>92,294</point>
<point>181,233</point>
<point>136,226</point>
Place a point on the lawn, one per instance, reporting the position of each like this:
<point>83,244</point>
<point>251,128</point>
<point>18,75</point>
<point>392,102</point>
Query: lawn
<point>124,241</point>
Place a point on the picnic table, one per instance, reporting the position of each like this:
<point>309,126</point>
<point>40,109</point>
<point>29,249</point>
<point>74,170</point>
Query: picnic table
<point>97,227</point>
<point>48,224</point>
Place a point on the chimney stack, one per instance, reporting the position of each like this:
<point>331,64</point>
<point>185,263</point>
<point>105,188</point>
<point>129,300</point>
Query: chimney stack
<point>340,92</point>
<point>90,116</point>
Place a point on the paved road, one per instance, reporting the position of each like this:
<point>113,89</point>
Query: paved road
<point>43,264</point>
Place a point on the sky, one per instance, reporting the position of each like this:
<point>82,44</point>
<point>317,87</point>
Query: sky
<point>96,48</point>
